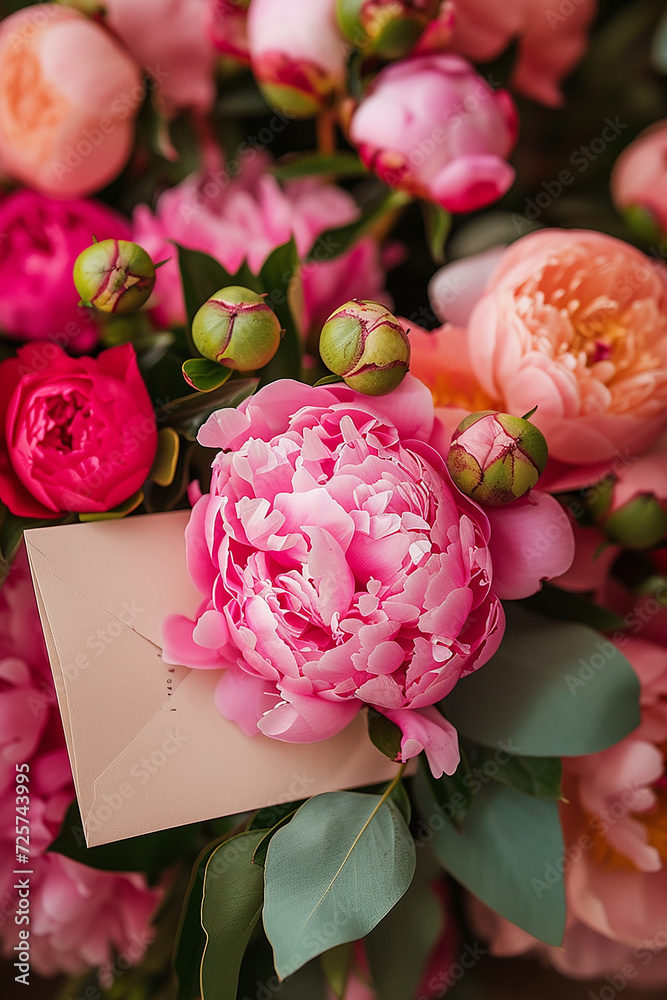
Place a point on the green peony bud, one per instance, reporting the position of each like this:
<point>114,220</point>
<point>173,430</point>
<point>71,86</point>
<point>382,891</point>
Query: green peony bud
<point>236,328</point>
<point>386,28</point>
<point>114,276</point>
<point>367,346</point>
<point>496,458</point>
<point>639,524</point>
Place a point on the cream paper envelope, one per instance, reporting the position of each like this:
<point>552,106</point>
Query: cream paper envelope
<point>148,748</point>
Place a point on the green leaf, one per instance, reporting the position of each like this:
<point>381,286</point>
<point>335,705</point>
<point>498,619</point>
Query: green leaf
<point>202,276</point>
<point>337,965</point>
<point>330,380</point>
<point>164,464</point>
<point>452,792</point>
<point>553,689</point>
<point>333,873</point>
<point>538,776</point>
<point>338,240</point>
<point>267,818</point>
<point>151,853</point>
<point>233,891</point>
<point>122,510</point>
<point>311,164</point>
<point>259,857</point>
<point>437,224</point>
<point>205,375</point>
<point>280,277</point>
<point>563,604</point>
<point>11,535</point>
<point>384,734</point>
<point>510,855</point>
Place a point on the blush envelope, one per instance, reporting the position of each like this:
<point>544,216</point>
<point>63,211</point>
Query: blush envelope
<point>148,748</point>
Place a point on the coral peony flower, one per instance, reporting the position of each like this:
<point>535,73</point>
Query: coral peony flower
<point>575,323</point>
<point>228,28</point>
<point>246,218</point>
<point>551,39</point>
<point>169,39</point>
<point>68,97</point>
<point>615,826</point>
<point>340,567</point>
<point>639,177</point>
<point>80,434</point>
<point>79,917</point>
<point>42,239</point>
<point>431,126</point>
<point>297,52</point>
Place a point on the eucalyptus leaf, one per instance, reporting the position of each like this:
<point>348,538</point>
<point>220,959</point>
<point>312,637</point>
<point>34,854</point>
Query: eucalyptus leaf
<point>553,602</point>
<point>164,464</point>
<point>384,734</point>
<point>205,375</point>
<point>553,689</point>
<point>332,873</point>
<point>538,776</point>
<point>452,792</point>
<point>509,854</point>
<point>233,890</point>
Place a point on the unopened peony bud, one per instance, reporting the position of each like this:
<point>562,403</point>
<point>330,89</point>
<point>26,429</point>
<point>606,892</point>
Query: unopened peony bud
<point>387,28</point>
<point>236,328</point>
<point>367,346</point>
<point>114,276</point>
<point>496,458</point>
<point>638,524</point>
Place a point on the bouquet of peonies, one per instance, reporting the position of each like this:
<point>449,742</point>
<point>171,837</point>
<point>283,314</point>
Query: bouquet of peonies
<point>376,292</point>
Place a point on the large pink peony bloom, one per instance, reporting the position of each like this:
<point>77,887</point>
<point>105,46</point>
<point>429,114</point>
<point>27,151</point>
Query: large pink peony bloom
<point>42,239</point>
<point>615,826</point>
<point>433,127</point>
<point>245,217</point>
<point>639,177</point>
<point>340,567</point>
<point>68,97</point>
<point>79,917</point>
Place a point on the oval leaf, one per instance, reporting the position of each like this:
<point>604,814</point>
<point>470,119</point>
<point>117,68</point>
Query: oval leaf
<point>164,464</point>
<point>553,689</point>
<point>333,873</point>
<point>205,375</point>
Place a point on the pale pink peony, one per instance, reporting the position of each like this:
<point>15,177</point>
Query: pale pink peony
<point>68,97</point>
<point>245,217</point>
<point>79,917</point>
<point>639,177</point>
<point>297,52</point>
<point>228,28</point>
<point>552,38</point>
<point>615,826</point>
<point>433,127</point>
<point>169,39</point>
<point>42,239</point>
<point>340,567</point>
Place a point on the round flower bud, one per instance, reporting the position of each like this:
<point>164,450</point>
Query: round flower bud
<point>387,28</point>
<point>236,328</point>
<point>114,276</point>
<point>367,346</point>
<point>496,458</point>
<point>640,523</point>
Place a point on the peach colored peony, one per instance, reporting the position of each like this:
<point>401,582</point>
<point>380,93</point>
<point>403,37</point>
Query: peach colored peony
<point>68,97</point>
<point>639,177</point>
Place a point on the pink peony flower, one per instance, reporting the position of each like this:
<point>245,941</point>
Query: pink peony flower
<point>169,39</point>
<point>639,178</point>
<point>228,28</point>
<point>297,53</point>
<point>79,917</point>
<point>615,826</point>
<point>340,567</point>
<point>247,217</point>
<point>431,126</point>
<point>68,97</point>
<point>80,434</point>
<point>42,239</point>
<point>551,39</point>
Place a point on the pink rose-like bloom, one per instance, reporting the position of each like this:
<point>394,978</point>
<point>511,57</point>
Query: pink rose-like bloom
<point>79,917</point>
<point>575,323</point>
<point>615,827</point>
<point>68,97</point>
<point>42,239</point>
<point>639,176</point>
<point>246,218</point>
<point>228,28</point>
<point>298,53</point>
<point>79,433</point>
<point>169,39</point>
<point>551,41</point>
<point>433,127</point>
<point>340,567</point>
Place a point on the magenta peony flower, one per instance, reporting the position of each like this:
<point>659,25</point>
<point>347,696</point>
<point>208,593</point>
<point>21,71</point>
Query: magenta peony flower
<point>80,434</point>
<point>69,94</point>
<point>639,179</point>
<point>433,127</point>
<point>340,567</point>
<point>79,917</point>
<point>247,217</point>
<point>42,239</point>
